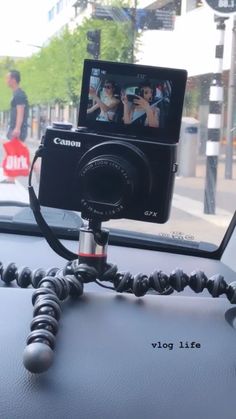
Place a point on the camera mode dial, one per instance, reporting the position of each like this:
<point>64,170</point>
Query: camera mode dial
<point>62,125</point>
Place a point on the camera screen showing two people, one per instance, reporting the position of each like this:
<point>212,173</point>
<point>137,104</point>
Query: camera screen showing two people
<point>128,100</point>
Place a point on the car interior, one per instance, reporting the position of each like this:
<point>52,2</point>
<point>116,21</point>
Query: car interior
<point>117,354</point>
<point>118,241</point>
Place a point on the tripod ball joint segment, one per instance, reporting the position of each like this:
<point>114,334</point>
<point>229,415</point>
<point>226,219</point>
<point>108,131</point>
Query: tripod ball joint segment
<point>38,354</point>
<point>37,357</point>
<point>54,285</point>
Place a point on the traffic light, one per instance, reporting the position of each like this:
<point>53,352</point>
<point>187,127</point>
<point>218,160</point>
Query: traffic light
<point>93,46</point>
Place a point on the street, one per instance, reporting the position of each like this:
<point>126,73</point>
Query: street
<point>187,220</point>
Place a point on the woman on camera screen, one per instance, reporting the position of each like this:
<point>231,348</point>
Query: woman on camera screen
<point>107,102</point>
<point>139,109</point>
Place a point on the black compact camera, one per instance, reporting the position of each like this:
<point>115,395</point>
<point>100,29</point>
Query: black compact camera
<point>111,167</point>
<point>131,97</point>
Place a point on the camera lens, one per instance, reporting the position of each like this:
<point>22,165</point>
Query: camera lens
<point>108,180</point>
<point>104,183</point>
<point>110,184</point>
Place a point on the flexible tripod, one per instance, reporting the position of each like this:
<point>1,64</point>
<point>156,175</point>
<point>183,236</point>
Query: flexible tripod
<point>55,285</point>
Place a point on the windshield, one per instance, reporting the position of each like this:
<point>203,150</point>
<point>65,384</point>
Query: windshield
<point>43,47</point>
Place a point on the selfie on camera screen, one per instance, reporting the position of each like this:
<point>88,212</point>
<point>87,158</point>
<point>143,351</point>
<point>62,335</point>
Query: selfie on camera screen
<point>123,100</point>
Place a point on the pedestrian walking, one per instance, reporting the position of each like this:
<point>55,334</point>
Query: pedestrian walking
<point>19,111</point>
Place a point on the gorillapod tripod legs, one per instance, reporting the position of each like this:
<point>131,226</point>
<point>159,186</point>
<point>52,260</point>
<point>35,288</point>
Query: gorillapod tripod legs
<point>56,285</point>
<point>51,290</point>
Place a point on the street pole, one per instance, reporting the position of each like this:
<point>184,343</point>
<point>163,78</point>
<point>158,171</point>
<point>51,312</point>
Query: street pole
<point>231,89</point>
<point>214,121</point>
<point>133,29</point>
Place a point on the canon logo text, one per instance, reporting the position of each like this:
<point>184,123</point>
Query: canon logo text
<point>68,143</point>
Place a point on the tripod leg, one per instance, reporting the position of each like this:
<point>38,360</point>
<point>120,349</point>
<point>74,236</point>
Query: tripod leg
<point>38,354</point>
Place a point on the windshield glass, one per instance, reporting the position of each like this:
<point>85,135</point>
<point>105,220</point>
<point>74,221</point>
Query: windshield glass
<point>43,47</point>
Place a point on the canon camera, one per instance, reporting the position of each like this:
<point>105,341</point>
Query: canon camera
<point>121,160</point>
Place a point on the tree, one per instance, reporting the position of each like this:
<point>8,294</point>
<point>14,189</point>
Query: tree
<point>6,65</point>
<point>54,74</point>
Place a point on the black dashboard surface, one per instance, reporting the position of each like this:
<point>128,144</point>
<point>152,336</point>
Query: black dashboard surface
<point>118,356</point>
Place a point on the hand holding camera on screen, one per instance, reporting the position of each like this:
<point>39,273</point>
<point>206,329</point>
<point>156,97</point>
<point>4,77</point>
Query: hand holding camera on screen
<point>141,107</point>
<point>141,103</point>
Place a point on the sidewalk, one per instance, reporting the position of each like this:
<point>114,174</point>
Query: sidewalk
<point>225,188</point>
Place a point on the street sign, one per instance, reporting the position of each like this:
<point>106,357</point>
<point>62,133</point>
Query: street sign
<point>143,19</point>
<point>118,14</point>
<point>155,19</point>
<point>225,7</point>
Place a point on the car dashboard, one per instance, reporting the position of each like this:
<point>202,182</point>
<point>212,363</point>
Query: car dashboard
<point>117,355</point>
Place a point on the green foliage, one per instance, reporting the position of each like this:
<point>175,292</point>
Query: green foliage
<point>54,74</point>
<point>191,102</point>
<point>6,64</point>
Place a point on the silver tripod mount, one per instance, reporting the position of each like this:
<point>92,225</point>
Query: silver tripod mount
<point>93,242</point>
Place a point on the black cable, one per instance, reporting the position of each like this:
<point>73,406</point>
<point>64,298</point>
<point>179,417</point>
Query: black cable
<point>104,286</point>
<point>50,237</point>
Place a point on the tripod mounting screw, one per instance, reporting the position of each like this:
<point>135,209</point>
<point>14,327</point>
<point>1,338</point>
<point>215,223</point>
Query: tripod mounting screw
<point>37,357</point>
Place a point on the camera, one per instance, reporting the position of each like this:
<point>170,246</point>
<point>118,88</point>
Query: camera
<point>132,97</point>
<point>116,165</point>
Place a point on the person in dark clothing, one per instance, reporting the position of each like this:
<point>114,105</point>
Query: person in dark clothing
<point>19,111</point>
<point>18,123</point>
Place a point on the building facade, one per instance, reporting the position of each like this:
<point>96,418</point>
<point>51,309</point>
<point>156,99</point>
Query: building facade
<point>189,43</point>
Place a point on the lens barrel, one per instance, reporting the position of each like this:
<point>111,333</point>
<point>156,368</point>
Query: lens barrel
<point>111,179</point>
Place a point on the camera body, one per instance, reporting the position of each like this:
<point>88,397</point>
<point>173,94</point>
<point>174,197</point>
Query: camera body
<point>131,97</point>
<point>121,161</point>
<point>106,176</point>
<point>138,92</point>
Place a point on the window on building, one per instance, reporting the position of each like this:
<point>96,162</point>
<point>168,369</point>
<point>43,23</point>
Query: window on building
<point>59,6</point>
<point>79,5</point>
<point>172,6</point>
<point>51,14</point>
<point>167,5</point>
<point>193,4</point>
